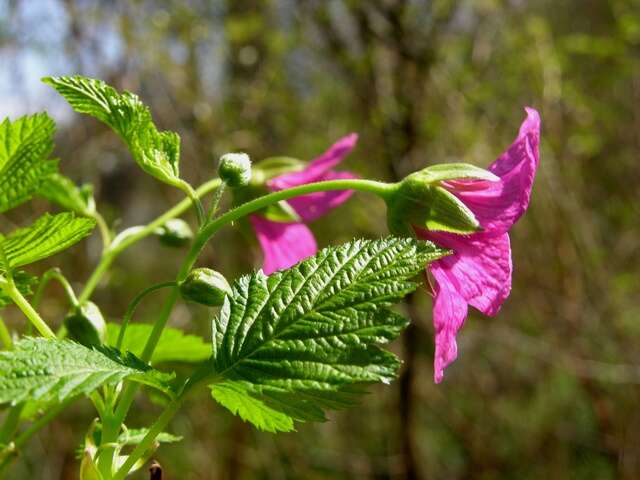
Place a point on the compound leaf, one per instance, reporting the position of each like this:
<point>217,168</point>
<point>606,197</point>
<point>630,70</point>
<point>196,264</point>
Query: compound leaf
<point>47,236</point>
<point>25,146</point>
<point>291,345</point>
<point>52,370</point>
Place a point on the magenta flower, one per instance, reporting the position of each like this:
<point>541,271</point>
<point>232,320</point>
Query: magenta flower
<point>478,273</point>
<point>285,244</point>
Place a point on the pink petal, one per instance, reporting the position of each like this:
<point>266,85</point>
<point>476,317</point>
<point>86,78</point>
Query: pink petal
<point>283,244</point>
<point>314,205</point>
<point>498,205</point>
<point>480,267</point>
<point>317,168</point>
<point>449,314</point>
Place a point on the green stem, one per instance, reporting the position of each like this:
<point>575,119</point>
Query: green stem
<point>379,188</point>
<point>22,303</point>
<point>24,437</point>
<point>5,335</point>
<point>200,375</point>
<point>146,443</point>
<point>105,232</point>
<point>134,304</point>
<point>10,423</point>
<point>217,196</point>
<point>205,234</point>
<point>195,199</point>
<point>54,274</point>
<point>111,253</point>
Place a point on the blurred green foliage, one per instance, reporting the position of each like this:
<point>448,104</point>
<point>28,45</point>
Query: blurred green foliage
<point>547,389</point>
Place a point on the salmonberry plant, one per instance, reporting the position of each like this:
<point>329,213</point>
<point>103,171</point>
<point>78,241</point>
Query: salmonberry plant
<point>301,336</point>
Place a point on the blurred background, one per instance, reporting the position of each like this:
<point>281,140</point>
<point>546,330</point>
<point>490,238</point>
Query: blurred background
<point>549,388</point>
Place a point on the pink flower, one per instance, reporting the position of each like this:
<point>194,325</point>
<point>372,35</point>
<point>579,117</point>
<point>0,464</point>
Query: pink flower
<point>285,244</point>
<point>478,273</point>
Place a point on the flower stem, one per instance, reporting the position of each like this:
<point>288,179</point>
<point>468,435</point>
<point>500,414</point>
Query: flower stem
<point>5,335</point>
<point>105,233</point>
<point>111,253</point>
<point>134,304</point>
<point>54,274</point>
<point>204,235</point>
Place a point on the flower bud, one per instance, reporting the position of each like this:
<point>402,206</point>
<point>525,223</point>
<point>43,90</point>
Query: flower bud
<point>86,325</point>
<point>174,233</point>
<point>235,169</point>
<point>421,200</point>
<point>205,286</point>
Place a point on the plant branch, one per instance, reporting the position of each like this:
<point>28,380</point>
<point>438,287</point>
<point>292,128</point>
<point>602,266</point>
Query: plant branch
<point>117,247</point>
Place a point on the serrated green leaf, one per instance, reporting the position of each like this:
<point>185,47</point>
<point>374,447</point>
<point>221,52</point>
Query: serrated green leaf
<point>61,190</point>
<point>305,339</point>
<point>45,370</point>
<point>47,236</point>
<point>25,146</point>
<point>157,153</point>
<point>24,283</point>
<point>174,345</point>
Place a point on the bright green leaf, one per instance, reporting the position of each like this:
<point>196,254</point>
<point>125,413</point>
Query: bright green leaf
<point>174,345</point>
<point>25,146</point>
<point>61,190</point>
<point>157,153</point>
<point>47,236</point>
<point>24,282</point>
<point>45,369</point>
<point>289,346</point>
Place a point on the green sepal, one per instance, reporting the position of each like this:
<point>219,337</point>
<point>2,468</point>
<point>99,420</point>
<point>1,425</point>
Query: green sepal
<point>205,286</point>
<point>455,171</point>
<point>174,233</point>
<point>415,202</point>
<point>86,325</point>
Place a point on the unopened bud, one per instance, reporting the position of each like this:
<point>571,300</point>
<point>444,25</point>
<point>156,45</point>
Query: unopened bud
<point>421,200</point>
<point>205,286</point>
<point>86,325</point>
<point>235,169</point>
<point>174,233</point>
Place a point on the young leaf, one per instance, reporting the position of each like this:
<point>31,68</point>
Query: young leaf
<point>25,146</point>
<point>47,236</point>
<point>61,190</point>
<point>46,370</point>
<point>157,153</point>
<point>289,346</point>
<point>173,346</point>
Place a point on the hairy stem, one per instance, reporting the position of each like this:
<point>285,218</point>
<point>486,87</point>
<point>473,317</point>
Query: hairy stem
<point>217,196</point>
